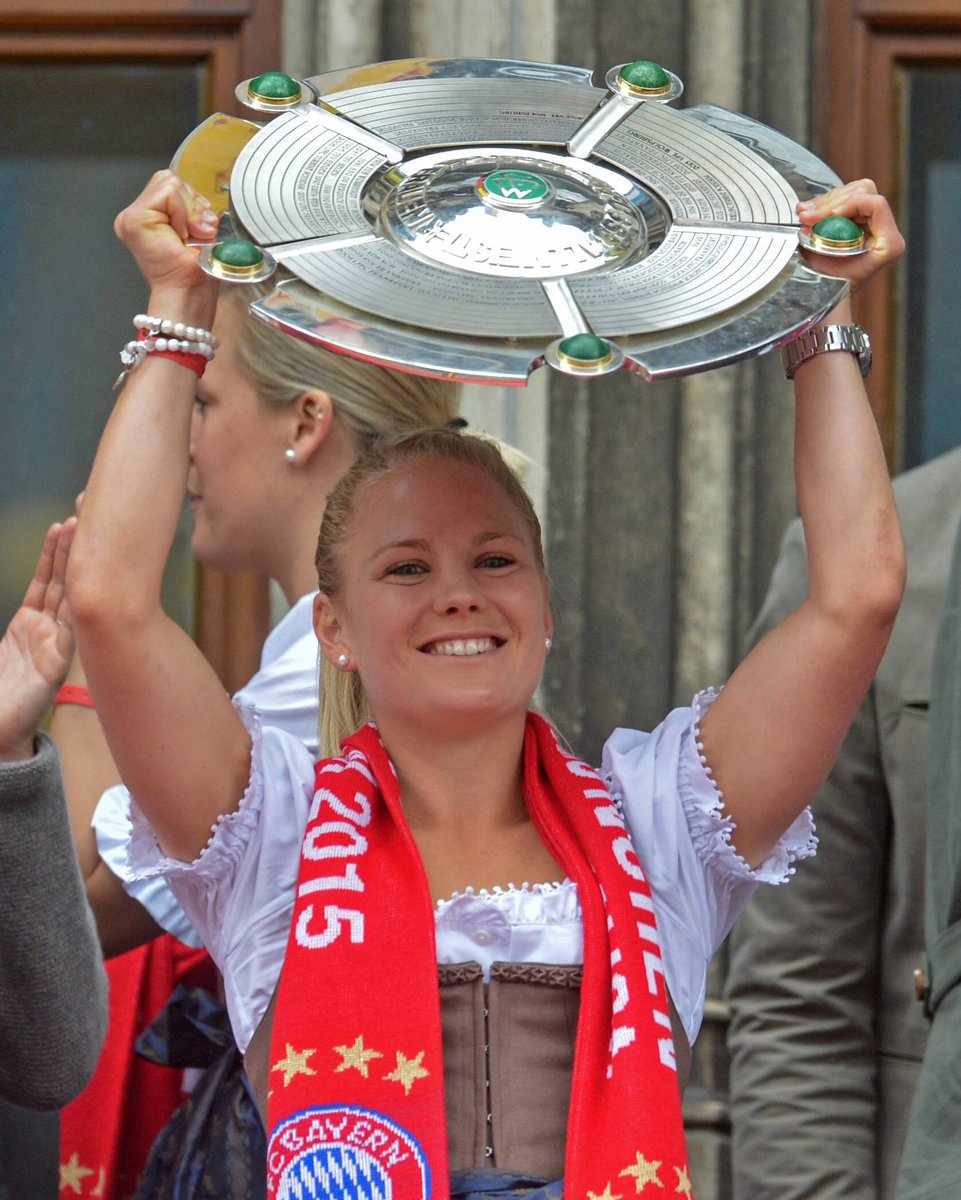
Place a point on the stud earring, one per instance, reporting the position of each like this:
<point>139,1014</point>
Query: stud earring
<point>290,454</point>
<point>547,644</point>
<point>342,661</point>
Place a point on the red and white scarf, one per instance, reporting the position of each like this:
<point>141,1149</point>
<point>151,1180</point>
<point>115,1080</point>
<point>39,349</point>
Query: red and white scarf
<point>356,1101</point>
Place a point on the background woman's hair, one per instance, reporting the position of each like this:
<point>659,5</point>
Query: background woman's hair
<point>343,705</point>
<point>373,401</point>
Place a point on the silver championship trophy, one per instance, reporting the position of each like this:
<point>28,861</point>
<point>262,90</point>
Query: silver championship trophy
<point>476,218</point>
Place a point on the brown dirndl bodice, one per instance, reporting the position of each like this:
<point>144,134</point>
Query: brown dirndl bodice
<point>508,1063</point>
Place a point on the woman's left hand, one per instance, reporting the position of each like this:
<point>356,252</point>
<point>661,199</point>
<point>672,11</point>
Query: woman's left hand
<point>861,203</point>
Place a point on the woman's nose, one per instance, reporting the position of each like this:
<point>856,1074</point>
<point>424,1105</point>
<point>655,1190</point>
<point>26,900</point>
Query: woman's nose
<point>458,593</point>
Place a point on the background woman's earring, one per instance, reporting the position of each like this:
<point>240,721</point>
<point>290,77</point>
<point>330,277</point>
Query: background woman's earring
<point>342,661</point>
<point>547,644</point>
<point>290,454</point>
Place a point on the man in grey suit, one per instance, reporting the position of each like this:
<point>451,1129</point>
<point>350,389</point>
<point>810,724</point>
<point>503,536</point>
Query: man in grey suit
<point>931,1165</point>
<point>827,1034</point>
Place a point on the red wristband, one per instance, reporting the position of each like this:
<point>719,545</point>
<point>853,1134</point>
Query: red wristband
<point>196,362</point>
<point>69,694</point>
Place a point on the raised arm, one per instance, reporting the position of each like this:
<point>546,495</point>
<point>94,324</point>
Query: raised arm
<point>173,733</point>
<point>776,727</point>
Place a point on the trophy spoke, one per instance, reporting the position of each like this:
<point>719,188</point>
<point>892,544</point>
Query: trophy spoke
<point>286,251</point>
<point>611,111</point>
<point>352,130</point>
<point>568,312</point>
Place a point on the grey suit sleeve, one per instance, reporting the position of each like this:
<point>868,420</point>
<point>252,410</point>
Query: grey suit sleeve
<point>53,988</point>
<point>802,980</point>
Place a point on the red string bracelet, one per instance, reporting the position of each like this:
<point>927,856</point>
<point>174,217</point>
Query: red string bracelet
<point>70,694</point>
<point>195,361</point>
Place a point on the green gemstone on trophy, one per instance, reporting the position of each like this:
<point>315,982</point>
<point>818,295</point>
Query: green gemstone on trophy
<point>645,76</point>
<point>238,254</point>
<point>274,85</point>
<point>585,348</point>
<point>838,231</point>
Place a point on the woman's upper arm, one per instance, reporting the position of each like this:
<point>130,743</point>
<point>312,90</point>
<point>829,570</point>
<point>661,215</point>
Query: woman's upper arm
<point>177,741</point>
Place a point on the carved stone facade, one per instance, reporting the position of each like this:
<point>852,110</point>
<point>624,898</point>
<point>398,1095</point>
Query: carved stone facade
<point>664,503</point>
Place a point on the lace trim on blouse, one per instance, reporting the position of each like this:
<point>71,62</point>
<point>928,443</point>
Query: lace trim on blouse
<point>229,834</point>
<point>712,828</point>
<point>491,895</point>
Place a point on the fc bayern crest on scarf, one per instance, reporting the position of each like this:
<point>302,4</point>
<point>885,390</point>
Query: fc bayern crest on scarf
<point>345,1153</point>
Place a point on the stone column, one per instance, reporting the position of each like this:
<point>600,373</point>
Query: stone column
<point>321,35</point>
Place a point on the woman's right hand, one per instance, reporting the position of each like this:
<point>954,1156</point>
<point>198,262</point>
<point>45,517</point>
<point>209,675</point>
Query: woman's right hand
<point>156,226</point>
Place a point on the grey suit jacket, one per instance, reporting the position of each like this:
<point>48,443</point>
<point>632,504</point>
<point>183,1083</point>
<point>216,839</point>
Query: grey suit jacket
<point>931,1165</point>
<point>53,987</point>
<point>826,1034</point>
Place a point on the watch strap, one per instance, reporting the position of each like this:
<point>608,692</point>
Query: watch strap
<point>823,339</point>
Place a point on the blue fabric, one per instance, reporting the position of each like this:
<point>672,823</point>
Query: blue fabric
<point>213,1146</point>
<point>481,1184</point>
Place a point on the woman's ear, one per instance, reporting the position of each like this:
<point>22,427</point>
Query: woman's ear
<point>329,630</point>
<point>311,420</point>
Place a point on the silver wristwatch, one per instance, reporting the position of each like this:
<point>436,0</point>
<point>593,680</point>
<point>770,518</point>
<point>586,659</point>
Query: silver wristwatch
<point>823,338</point>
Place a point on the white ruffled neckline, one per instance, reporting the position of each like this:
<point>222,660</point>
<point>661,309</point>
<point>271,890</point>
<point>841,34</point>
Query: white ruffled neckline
<point>491,895</point>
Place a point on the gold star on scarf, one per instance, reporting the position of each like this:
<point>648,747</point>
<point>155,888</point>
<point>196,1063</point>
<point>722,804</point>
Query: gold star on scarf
<point>644,1172</point>
<point>356,1056</point>
<point>605,1195</point>
<point>683,1182</point>
<point>407,1071</point>
<point>72,1173</point>
<point>294,1063</point>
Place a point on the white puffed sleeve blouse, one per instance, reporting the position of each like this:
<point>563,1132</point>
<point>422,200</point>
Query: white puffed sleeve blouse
<point>239,893</point>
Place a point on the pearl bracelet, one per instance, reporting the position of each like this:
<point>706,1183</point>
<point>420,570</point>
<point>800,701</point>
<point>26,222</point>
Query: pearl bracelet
<point>190,345</point>
<point>155,326</point>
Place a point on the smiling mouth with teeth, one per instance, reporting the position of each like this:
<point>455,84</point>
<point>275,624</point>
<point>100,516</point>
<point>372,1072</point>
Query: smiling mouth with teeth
<point>463,647</point>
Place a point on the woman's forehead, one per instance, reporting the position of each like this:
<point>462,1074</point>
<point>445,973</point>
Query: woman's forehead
<point>437,494</point>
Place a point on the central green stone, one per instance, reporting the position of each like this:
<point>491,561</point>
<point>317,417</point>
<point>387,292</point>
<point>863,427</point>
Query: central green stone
<point>275,85</point>
<point>511,184</point>
<point>584,347</point>
<point>838,229</point>
<point>645,75</point>
<point>237,253</point>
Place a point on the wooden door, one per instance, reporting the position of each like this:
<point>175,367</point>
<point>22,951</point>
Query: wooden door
<point>887,94</point>
<point>93,97</point>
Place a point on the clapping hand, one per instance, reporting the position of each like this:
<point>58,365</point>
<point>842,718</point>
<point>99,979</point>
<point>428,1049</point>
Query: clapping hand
<point>36,650</point>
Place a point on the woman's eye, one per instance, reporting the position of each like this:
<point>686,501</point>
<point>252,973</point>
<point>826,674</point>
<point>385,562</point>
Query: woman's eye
<point>496,560</point>
<point>406,568</point>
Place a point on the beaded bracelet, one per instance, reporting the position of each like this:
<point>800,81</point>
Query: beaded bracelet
<point>189,345</point>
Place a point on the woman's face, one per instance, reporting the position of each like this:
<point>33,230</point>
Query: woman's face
<point>236,461</point>
<point>443,608</point>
